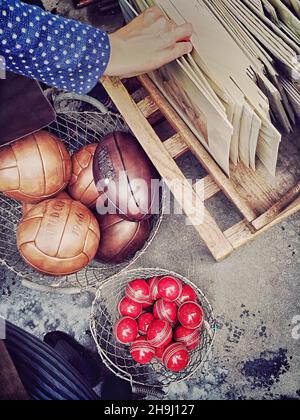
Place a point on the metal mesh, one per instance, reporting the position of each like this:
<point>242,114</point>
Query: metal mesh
<point>117,356</point>
<point>76,128</point>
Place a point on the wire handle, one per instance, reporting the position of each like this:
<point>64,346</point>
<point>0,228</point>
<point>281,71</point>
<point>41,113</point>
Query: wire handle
<point>149,391</point>
<point>82,98</point>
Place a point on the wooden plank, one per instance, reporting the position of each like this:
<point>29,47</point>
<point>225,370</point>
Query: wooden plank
<point>210,187</point>
<point>275,211</point>
<point>262,190</point>
<point>240,234</point>
<point>176,146</point>
<point>147,106</point>
<point>204,223</point>
<point>199,151</point>
<point>140,94</point>
<point>254,185</point>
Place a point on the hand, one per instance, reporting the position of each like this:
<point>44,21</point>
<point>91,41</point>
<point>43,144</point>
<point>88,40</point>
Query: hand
<point>147,43</point>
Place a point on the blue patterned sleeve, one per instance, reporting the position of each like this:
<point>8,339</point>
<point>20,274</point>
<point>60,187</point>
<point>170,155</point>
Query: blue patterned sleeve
<point>59,52</point>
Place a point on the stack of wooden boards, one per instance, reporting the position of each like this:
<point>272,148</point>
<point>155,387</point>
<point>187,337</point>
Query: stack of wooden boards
<point>241,80</point>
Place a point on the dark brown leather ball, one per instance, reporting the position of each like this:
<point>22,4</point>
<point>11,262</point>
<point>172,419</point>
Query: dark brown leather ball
<point>123,171</point>
<point>120,238</point>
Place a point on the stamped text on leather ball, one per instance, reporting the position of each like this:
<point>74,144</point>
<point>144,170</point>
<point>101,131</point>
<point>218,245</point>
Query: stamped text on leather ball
<point>77,228</point>
<point>106,165</point>
<point>57,208</point>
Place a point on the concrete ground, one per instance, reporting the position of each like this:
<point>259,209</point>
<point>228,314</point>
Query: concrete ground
<point>254,293</point>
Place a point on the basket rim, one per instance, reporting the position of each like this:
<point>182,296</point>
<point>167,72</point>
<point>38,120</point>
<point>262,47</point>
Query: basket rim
<point>211,329</point>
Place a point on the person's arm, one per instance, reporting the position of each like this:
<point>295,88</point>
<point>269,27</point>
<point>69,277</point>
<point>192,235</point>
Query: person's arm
<point>73,56</point>
<point>59,52</point>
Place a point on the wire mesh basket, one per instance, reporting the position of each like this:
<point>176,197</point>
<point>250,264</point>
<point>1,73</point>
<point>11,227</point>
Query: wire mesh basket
<point>77,124</point>
<point>154,379</point>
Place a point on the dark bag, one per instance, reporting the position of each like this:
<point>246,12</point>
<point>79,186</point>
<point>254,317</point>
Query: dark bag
<point>24,109</point>
<point>11,387</point>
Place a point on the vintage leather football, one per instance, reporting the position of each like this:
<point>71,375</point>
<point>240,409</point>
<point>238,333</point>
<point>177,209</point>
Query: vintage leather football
<point>120,238</point>
<point>58,237</point>
<point>28,206</point>
<point>34,168</point>
<point>124,173</point>
<point>82,186</point>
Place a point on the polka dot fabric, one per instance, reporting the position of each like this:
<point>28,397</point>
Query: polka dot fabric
<point>59,52</point>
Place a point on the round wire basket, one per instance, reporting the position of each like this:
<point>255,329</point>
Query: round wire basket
<point>77,124</point>
<point>153,379</point>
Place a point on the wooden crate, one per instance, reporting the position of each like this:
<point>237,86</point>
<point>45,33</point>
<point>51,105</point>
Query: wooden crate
<point>261,200</point>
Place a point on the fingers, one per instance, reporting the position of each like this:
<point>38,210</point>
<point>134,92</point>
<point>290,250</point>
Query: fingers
<point>177,51</point>
<point>169,33</point>
<point>184,32</point>
<point>176,34</point>
<point>152,14</point>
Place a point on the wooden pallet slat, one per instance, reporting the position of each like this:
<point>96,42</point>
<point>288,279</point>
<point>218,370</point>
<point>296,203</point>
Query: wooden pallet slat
<point>278,208</point>
<point>241,233</point>
<point>176,146</point>
<point>147,106</point>
<point>210,187</point>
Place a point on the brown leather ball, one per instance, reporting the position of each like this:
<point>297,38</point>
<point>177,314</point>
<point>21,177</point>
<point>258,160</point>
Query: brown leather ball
<point>123,171</point>
<point>28,206</point>
<point>34,168</point>
<point>58,237</point>
<point>82,186</point>
<point>120,238</point>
